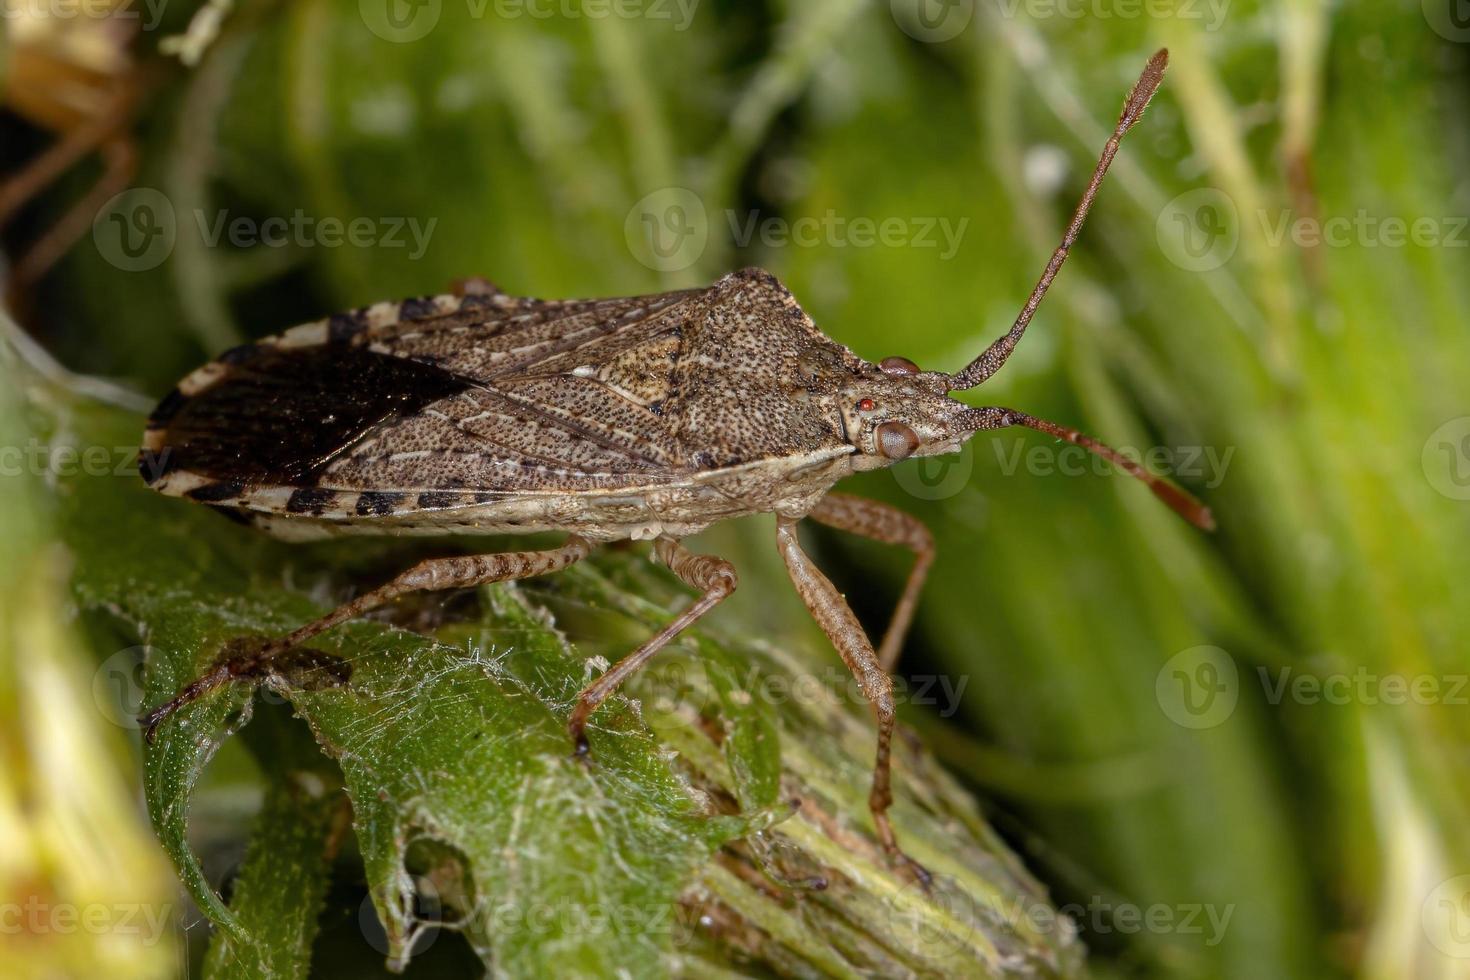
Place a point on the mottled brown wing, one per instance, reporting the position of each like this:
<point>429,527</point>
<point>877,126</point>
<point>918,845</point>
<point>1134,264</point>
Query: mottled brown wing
<point>475,392</point>
<point>564,396</point>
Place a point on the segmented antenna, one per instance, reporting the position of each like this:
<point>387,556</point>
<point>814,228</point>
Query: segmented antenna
<point>982,367</point>
<point>1181,501</point>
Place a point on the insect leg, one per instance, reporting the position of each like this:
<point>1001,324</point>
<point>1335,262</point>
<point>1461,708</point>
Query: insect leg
<point>880,522</point>
<point>836,618</point>
<point>120,164</point>
<point>714,577</point>
<point>436,574</point>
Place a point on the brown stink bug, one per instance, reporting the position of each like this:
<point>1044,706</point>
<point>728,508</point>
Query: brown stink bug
<point>650,417</point>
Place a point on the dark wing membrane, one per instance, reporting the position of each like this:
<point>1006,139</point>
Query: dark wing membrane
<point>279,416</point>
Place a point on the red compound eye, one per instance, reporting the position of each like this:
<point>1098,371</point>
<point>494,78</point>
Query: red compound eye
<point>866,405</point>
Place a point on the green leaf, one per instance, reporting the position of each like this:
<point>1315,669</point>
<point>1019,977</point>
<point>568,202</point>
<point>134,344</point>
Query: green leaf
<point>281,889</point>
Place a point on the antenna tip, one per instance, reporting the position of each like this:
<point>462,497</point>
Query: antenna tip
<point>1185,504</point>
<point>1148,83</point>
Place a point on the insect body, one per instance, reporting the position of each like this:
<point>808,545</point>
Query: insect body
<point>640,418</point>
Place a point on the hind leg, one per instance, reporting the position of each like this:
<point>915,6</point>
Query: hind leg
<point>437,574</point>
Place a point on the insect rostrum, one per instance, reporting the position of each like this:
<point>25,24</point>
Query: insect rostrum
<point>648,417</point>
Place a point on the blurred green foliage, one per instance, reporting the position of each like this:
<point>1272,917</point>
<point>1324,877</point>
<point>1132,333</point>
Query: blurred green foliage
<point>1123,713</point>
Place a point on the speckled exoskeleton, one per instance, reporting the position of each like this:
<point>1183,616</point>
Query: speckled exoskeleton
<point>650,417</point>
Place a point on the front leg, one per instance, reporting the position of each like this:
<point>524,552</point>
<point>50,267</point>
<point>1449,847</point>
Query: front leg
<point>837,620</point>
<point>880,522</point>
